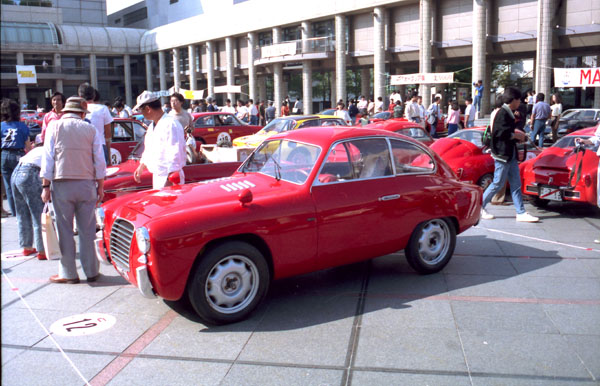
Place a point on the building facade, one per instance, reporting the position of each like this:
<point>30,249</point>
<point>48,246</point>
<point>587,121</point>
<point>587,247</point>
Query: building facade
<point>273,49</point>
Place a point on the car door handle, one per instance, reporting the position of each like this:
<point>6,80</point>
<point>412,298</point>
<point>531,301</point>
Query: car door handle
<point>390,197</point>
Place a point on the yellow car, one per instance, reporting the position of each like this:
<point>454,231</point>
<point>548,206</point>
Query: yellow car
<point>292,122</point>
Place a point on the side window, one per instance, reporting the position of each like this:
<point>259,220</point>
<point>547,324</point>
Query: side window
<point>409,158</point>
<point>311,123</point>
<point>122,132</point>
<point>227,120</point>
<point>138,131</point>
<point>331,122</point>
<point>205,121</point>
<point>588,114</point>
<point>358,159</point>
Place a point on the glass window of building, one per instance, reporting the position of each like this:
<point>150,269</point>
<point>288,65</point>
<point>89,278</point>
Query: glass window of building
<point>265,38</point>
<point>291,34</point>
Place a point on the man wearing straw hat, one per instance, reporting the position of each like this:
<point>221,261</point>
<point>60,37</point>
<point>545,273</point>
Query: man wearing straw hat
<point>73,171</point>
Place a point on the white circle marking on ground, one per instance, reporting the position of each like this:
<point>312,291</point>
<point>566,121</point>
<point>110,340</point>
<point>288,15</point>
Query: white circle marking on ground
<point>16,255</point>
<point>83,324</point>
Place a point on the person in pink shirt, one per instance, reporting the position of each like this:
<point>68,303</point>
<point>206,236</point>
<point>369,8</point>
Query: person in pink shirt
<point>453,117</point>
<point>58,102</point>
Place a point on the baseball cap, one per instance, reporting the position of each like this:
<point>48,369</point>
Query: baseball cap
<point>145,97</point>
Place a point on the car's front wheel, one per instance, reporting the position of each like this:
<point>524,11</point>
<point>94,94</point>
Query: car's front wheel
<point>229,282</point>
<point>431,246</point>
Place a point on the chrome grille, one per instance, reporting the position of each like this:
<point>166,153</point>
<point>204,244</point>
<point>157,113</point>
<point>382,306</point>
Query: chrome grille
<point>121,237</point>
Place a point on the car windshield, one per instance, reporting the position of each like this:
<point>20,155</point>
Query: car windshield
<point>473,136</point>
<point>570,114</point>
<point>278,126</point>
<point>414,132</point>
<point>137,151</point>
<point>569,142</point>
<point>382,115</point>
<point>284,160</point>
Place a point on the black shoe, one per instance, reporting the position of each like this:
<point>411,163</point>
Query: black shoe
<point>93,278</point>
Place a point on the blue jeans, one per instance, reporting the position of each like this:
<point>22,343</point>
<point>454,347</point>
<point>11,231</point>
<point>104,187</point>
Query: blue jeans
<point>477,103</point>
<point>26,186</point>
<point>470,124</point>
<point>433,129</point>
<point>10,160</point>
<point>503,171</point>
<point>539,127</point>
<point>452,128</point>
<point>254,119</point>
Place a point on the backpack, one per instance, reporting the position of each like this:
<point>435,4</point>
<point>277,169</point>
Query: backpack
<point>487,136</point>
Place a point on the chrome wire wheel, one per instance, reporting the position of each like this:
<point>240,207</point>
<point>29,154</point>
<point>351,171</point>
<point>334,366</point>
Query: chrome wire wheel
<point>232,284</point>
<point>434,242</point>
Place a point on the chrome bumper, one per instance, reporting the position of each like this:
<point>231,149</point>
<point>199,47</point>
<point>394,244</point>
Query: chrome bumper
<point>144,285</point>
<point>100,249</point>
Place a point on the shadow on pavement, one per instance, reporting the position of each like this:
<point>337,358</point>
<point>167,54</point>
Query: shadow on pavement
<point>338,293</point>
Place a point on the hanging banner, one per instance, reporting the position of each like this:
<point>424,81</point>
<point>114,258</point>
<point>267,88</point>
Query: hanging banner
<point>187,94</point>
<point>423,78</point>
<point>278,50</point>
<point>26,75</point>
<point>577,77</point>
<point>228,89</point>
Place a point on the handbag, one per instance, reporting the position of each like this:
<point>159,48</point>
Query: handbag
<point>49,235</point>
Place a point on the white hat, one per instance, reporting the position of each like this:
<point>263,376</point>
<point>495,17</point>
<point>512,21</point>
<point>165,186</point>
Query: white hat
<point>75,105</point>
<point>145,97</point>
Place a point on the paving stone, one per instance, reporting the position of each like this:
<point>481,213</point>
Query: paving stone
<point>484,316</point>
<point>552,267</point>
<point>564,287</point>
<point>489,285</point>
<point>388,310</point>
<point>480,265</point>
<point>51,368</point>
<point>401,347</point>
<point>306,330</point>
<point>509,352</point>
<point>480,245</point>
<point>388,281</point>
<point>587,346</point>
<point>368,378</point>
<point>259,375</point>
<point>10,353</point>
<point>19,327</point>
<point>128,301</point>
<point>575,318</point>
<point>518,380</point>
<point>170,372</point>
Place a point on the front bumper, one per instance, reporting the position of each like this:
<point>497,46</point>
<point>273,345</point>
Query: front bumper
<point>142,277</point>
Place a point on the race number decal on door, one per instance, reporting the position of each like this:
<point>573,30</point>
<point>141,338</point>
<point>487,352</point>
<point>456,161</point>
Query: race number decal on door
<point>84,324</point>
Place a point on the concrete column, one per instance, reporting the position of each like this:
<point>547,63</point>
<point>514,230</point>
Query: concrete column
<point>425,47</point>
<point>379,53</point>
<point>543,70</point>
<point>340,57</point>
<point>148,60</point>
<point>192,66</point>
<point>440,88</point>
<point>162,73</point>
<point>365,82</point>
<point>251,67</point>
<point>487,83</point>
<point>210,64</point>
<point>262,89</point>
<point>230,65</point>
<point>176,74</point>
<point>333,90</point>
<point>277,75</point>
<point>22,87</point>
<point>127,78</point>
<point>93,71</point>
<point>307,79</point>
<point>479,38</point>
<point>58,70</point>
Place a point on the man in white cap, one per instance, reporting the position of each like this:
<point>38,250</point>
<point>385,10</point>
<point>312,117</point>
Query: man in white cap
<point>164,144</point>
<point>73,170</point>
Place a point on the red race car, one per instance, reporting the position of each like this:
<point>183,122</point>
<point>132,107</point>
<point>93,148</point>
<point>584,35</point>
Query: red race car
<point>126,133</point>
<point>297,204</point>
<point>209,127</point>
<point>551,176</point>
<point>404,127</point>
<point>469,159</point>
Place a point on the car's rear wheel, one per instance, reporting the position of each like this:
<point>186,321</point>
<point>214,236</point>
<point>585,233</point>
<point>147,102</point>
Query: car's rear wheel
<point>431,246</point>
<point>485,180</point>
<point>229,283</point>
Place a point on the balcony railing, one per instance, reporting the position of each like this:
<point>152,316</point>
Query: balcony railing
<point>57,70</point>
<point>296,47</point>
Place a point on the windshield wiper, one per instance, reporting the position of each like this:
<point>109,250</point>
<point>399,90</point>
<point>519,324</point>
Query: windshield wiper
<point>277,169</point>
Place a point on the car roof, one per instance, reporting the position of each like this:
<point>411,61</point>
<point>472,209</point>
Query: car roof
<point>196,115</point>
<point>586,131</point>
<point>325,135</point>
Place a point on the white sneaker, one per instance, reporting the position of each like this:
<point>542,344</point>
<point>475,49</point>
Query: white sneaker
<point>487,216</point>
<point>526,217</point>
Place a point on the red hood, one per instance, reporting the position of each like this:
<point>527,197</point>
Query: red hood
<point>557,158</point>
<point>450,149</point>
<point>125,168</point>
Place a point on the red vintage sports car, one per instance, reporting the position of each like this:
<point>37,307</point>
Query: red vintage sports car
<point>404,127</point>
<point>209,127</point>
<point>550,176</point>
<point>303,201</point>
<point>470,160</point>
<point>126,133</point>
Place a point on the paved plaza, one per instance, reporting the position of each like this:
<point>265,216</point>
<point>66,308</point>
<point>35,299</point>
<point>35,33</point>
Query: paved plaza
<point>519,304</point>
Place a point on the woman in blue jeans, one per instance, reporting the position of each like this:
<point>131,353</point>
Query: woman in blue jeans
<point>15,141</point>
<point>26,186</point>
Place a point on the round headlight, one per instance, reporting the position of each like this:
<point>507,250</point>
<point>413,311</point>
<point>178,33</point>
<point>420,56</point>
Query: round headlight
<point>143,239</point>
<point>100,217</point>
